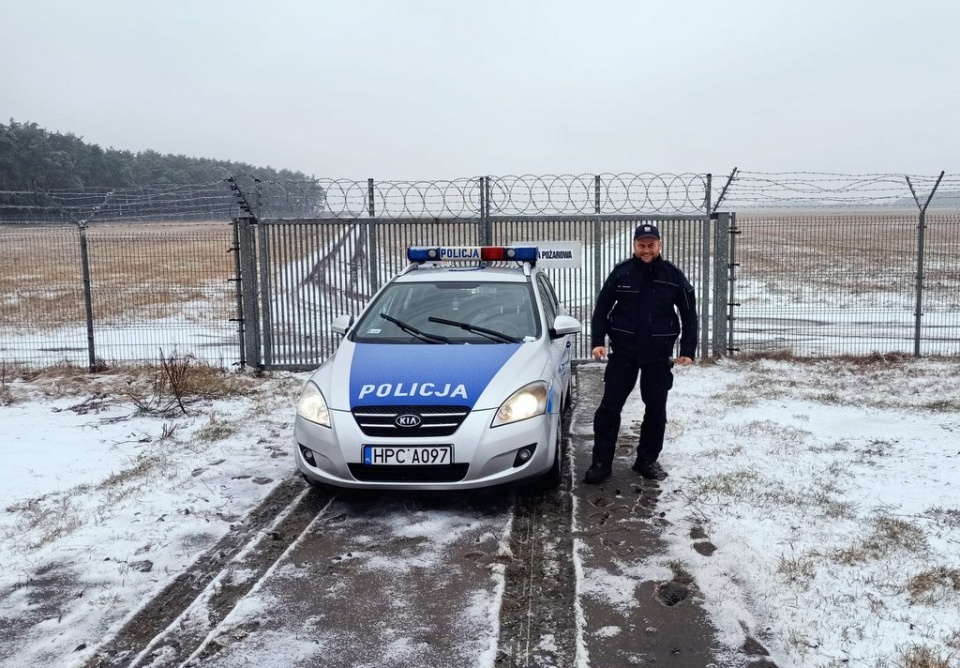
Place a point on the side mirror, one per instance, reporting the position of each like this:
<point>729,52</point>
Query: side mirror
<point>564,325</point>
<point>341,324</point>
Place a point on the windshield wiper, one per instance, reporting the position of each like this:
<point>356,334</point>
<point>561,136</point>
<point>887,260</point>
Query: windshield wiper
<point>413,331</point>
<point>491,334</point>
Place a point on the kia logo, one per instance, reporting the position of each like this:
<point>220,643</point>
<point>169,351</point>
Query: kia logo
<point>408,420</point>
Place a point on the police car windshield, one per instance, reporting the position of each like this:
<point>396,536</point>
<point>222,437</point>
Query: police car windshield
<point>437,310</point>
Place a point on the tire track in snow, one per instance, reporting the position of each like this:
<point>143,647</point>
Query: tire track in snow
<point>537,614</point>
<point>384,580</point>
<point>159,629</point>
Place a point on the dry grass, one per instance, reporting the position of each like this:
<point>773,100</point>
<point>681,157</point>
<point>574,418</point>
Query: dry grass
<point>216,429</point>
<point>172,386</point>
<point>745,486</point>
<point>177,381</point>
<point>889,534</point>
<point>945,517</point>
<point>846,381</point>
<point>878,250</point>
<point>41,521</point>
<point>871,360</point>
<point>138,271</point>
<point>7,375</point>
<point>921,657</point>
<point>680,572</point>
<point>934,585</point>
<point>128,482</point>
<point>800,571</point>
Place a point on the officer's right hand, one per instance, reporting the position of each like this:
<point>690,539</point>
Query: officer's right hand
<point>599,352</point>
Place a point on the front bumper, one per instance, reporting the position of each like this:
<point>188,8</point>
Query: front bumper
<point>488,454</point>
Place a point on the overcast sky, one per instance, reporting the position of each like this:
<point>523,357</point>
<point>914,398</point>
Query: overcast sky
<point>417,89</point>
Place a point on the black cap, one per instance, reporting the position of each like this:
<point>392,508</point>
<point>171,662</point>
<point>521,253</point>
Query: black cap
<point>646,231</point>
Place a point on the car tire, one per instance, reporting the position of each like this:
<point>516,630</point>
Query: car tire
<point>566,401</point>
<point>554,477</point>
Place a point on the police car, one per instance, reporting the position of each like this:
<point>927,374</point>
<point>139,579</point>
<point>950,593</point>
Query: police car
<point>454,376</point>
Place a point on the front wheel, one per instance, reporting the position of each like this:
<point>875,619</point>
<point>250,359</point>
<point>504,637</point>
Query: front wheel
<point>566,400</point>
<point>552,478</point>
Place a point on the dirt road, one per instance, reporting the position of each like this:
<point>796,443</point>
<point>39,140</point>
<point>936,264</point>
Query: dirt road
<point>506,578</point>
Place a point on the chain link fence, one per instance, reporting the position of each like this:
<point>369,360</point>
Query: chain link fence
<point>106,292</point>
<point>832,264</point>
<point>817,264</point>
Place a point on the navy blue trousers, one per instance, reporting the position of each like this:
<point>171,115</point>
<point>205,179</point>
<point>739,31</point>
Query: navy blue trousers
<point>619,379</point>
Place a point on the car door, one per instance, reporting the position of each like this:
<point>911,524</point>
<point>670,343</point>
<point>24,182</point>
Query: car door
<point>561,349</point>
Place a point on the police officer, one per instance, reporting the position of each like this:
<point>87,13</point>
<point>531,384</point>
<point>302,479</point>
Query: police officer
<point>645,304</point>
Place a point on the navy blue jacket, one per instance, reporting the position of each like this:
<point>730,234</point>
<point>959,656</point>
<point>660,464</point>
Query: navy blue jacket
<point>644,308</point>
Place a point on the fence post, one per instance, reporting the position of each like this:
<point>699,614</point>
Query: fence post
<point>918,312</point>
<point>596,194</point>
<point>372,261</point>
<point>489,226</point>
<point>705,273</point>
<point>597,232</point>
<point>483,234</point>
<point>721,268</point>
<point>87,297</point>
<point>731,284</point>
<point>248,283</point>
<point>371,205</point>
<point>239,289</point>
<point>921,233</point>
<point>264,331</point>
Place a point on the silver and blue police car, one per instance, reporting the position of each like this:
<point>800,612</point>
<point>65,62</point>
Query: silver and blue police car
<point>454,376</point>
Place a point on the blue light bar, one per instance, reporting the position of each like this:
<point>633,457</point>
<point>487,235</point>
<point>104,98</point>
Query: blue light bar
<point>422,254</point>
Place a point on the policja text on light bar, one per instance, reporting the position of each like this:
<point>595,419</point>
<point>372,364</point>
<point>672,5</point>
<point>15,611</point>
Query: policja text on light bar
<point>481,253</point>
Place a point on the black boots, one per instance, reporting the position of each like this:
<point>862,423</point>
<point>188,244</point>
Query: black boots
<point>648,470</point>
<point>597,473</point>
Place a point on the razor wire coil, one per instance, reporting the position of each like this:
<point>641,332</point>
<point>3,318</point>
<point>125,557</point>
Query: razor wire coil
<point>475,197</point>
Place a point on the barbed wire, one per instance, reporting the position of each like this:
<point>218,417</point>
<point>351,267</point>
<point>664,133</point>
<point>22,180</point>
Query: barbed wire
<point>207,201</point>
<point>523,195</point>
<point>472,197</point>
<point>607,193</point>
<point>223,199</point>
<point>815,190</point>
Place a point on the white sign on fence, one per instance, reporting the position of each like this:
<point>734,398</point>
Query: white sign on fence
<point>556,253</point>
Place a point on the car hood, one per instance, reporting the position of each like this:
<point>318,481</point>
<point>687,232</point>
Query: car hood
<point>478,376</point>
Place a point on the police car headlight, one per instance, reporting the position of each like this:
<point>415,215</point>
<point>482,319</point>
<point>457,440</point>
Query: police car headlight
<point>527,402</point>
<point>312,406</point>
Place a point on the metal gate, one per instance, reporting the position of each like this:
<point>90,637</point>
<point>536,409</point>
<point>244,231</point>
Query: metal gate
<point>298,275</point>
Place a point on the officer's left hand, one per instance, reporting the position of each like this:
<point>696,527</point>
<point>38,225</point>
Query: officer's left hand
<point>684,361</point>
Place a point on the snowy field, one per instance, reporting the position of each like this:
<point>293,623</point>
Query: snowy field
<point>830,490</point>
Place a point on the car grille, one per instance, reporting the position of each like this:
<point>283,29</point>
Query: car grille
<point>444,473</point>
<point>436,420</point>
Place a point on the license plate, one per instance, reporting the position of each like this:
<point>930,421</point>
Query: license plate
<point>416,455</point>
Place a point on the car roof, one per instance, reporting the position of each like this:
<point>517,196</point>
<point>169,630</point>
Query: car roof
<point>485,273</point>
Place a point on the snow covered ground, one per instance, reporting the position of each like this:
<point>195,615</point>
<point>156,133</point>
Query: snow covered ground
<point>103,503</point>
<point>830,490</point>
